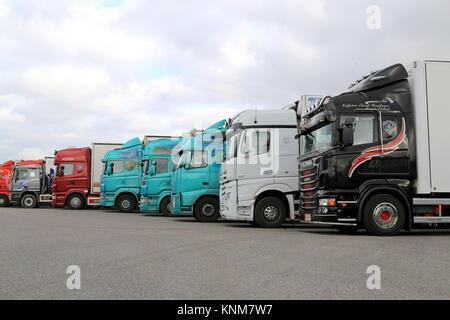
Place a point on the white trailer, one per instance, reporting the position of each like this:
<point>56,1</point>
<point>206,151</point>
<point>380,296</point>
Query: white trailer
<point>148,139</point>
<point>430,85</point>
<point>98,151</point>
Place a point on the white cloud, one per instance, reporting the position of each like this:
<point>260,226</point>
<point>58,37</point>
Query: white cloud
<point>4,11</point>
<point>31,154</point>
<point>8,116</point>
<point>66,83</point>
<point>73,72</point>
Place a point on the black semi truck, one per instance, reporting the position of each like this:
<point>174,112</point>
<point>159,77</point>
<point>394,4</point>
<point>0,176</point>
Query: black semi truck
<point>377,157</point>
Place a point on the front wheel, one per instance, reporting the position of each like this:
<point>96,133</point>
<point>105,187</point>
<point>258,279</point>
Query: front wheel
<point>166,207</point>
<point>4,201</point>
<point>384,215</point>
<point>126,203</point>
<point>207,210</point>
<point>270,212</point>
<point>28,201</point>
<point>76,202</point>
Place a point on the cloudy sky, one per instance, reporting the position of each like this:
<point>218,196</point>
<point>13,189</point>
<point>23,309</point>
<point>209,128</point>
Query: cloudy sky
<point>75,72</point>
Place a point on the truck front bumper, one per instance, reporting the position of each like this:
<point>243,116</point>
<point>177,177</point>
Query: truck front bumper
<point>15,196</point>
<point>230,209</point>
<point>149,205</point>
<point>107,201</point>
<point>58,200</point>
<point>343,213</point>
<point>178,209</point>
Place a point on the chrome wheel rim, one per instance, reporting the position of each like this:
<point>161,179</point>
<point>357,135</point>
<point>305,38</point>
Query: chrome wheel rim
<point>126,204</point>
<point>169,207</point>
<point>2,201</point>
<point>28,201</point>
<point>208,210</point>
<point>75,202</point>
<point>385,215</point>
<point>271,213</point>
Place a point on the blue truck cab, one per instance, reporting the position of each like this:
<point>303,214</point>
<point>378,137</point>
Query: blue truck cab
<point>195,179</point>
<point>157,180</point>
<point>121,180</point>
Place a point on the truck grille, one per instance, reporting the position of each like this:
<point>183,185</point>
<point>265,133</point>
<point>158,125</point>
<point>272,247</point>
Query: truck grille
<point>309,185</point>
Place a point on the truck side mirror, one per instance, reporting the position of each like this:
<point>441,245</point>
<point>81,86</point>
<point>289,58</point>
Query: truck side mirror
<point>110,169</point>
<point>61,171</point>
<point>153,168</point>
<point>347,136</point>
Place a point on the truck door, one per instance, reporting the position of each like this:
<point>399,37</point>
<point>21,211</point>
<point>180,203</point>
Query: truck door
<point>195,176</point>
<point>132,174</point>
<point>20,180</point>
<point>35,177</point>
<point>117,177</point>
<point>254,159</point>
<point>73,176</point>
<point>354,164</point>
<point>160,181</point>
<point>394,160</point>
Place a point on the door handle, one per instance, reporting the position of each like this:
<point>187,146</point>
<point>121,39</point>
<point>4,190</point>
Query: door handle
<point>268,172</point>
<point>72,182</point>
<point>205,183</point>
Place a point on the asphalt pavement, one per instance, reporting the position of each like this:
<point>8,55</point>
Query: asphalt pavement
<point>137,256</point>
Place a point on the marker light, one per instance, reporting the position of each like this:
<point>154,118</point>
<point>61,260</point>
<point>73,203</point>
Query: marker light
<point>327,202</point>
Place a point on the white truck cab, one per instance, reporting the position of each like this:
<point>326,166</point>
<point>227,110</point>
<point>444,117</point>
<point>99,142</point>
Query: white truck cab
<point>259,178</point>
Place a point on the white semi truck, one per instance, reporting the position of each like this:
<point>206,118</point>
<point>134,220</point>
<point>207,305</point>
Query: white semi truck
<point>259,178</point>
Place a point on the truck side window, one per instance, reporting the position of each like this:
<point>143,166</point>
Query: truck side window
<point>33,174</point>
<point>256,143</point>
<point>117,166</point>
<point>22,174</point>
<point>131,165</point>
<point>162,165</point>
<point>364,127</point>
<point>199,159</point>
<point>67,169</point>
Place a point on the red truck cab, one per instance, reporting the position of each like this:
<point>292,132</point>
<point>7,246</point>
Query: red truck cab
<point>5,180</point>
<point>72,181</point>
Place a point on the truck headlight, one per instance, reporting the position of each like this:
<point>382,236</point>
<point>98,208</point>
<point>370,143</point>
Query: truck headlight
<point>327,202</point>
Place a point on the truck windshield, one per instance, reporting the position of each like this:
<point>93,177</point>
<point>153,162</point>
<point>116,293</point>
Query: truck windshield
<point>317,140</point>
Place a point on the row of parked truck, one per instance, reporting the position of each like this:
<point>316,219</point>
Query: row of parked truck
<point>374,157</point>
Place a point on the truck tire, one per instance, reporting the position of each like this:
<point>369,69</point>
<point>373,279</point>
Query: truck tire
<point>126,203</point>
<point>207,210</point>
<point>28,201</point>
<point>384,215</point>
<point>166,207</point>
<point>75,202</point>
<point>4,201</point>
<point>270,212</point>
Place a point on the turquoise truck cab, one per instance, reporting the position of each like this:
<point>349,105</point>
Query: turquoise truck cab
<point>121,180</point>
<point>195,179</point>
<point>156,184</point>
